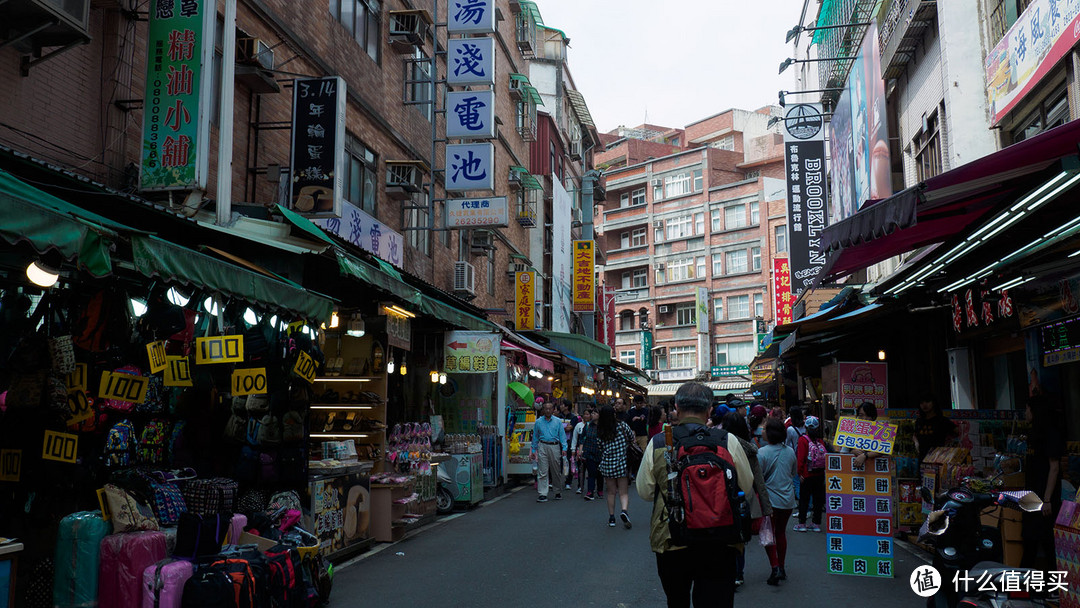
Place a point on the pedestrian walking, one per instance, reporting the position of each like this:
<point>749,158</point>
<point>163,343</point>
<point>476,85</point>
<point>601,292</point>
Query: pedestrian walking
<point>796,427</point>
<point>810,457</point>
<point>757,425</point>
<point>591,454</point>
<point>570,421</point>
<point>548,450</point>
<point>577,448</point>
<point>1046,445</point>
<point>778,467</point>
<point>639,422</point>
<point>615,438</point>
<point>656,422</point>
<point>932,428</point>
<point>704,573</point>
<point>760,507</point>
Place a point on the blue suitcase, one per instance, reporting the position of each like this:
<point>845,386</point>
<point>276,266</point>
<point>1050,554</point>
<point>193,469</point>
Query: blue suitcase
<point>78,558</point>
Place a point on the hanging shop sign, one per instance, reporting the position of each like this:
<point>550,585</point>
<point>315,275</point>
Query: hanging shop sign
<point>674,375</point>
<point>61,447</point>
<point>1043,34</point>
<point>318,146</point>
<point>701,306</point>
<point>584,276</point>
<point>471,62</point>
<point>718,371</point>
<point>972,307</point>
<point>471,17</point>
<point>646,349</point>
<point>123,387</point>
<point>869,435</point>
<point>1060,342</point>
<point>859,135</point>
<point>470,114</point>
<point>562,258</point>
<point>470,352</point>
<point>804,158</point>
<point>361,229</point>
<point>470,167</point>
<point>398,330</point>
<point>782,296</point>
<point>249,382</point>
<point>178,371</point>
<point>219,349</point>
<point>763,372</point>
<point>859,382</point>
<point>176,112</point>
<point>10,465</point>
<point>475,212</point>
<point>858,513</point>
<point>525,301</point>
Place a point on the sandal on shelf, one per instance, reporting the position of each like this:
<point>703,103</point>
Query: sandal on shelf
<point>329,426</point>
<point>349,420</point>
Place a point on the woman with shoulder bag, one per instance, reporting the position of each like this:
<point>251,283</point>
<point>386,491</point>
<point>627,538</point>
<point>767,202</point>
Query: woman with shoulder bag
<point>615,438</point>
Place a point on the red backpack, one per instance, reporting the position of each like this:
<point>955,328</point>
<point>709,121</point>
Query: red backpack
<point>703,501</point>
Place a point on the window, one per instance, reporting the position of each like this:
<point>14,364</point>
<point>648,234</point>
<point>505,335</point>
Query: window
<point>626,278</point>
<point>717,266</point>
<point>1053,112</point>
<point>700,272</point>
<point>759,305</point>
<point>525,120</point>
<point>658,233</point>
<point>444,235</point>
<point>637,197</point>
<point>361,19</point>
<point>624,199</point>
<point>682,356</point>
<point>927,147</point>
<point>490,271</point>
<point>780,233</point>
<point>360,178</point>
<point>755,258</point>
<point>680,270</point>
<point>727,143</point>
<point>680,227</point>
<point>718,309</point>
<point>418,82</point>
<point>658,191</point>
<point>697,180</point>
<point>421,239</point>
<point>638,238</point>
<point>736,261</point>
<point>755,213</point>
<point>734,217</point>
<point>626,321</point>
<point>628,357</point>
<point>685,314</point>
<point>735,353</point>
<point>678,185</point>
<point>716,225</point>
<point>624,240</point>
<point>640,278</point>
<point>738,307</point>
<point>699,223</point>
<point>752,174</point>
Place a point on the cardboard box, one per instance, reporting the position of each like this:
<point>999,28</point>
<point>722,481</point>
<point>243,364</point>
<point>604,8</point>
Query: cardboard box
<point>248,538</point>
<point>1012,551</point>
<point>1011,526</point>
<point>991,517</point>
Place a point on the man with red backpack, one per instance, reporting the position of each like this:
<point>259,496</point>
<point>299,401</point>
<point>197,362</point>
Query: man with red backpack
<point>698,479</point>
<point>810,457</point>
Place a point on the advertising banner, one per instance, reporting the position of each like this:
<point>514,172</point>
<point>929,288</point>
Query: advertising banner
<point>870,435</point>
<point>525,301</point>
<point>318,146</point>
<point>470,167</point>
<point>701,309</point>
<point>1042,35</point>
<point>472,212</point>
<point>858,516</point>
<point>366,232</point>
<point>584,277</point>
<point>561,258</point>
<point>783,299</point>
<point>471,62</point>
<point>807,196</point>
<point>471,17</point>
<point>176,112</point>
<point>470,114</point>
<point>341,511</point>
<point>860,382</point>
<point>470,352</point>
<point>646,350</point>
<point>859,136</point>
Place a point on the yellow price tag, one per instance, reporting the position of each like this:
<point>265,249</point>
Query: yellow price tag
<point>305,367</point>
<point>62,447</point>
<point>155,351</point>
<point>76,380</point>
<point>219,349</point>
<point>10,465</point>
<point>123,387</point>
<point>249,382</point>
<point>178,371</point>
<point>79,406</point>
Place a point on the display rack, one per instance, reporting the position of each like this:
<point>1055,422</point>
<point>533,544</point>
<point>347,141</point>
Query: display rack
<point>389,506</point>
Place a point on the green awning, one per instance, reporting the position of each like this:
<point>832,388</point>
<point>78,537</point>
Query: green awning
<point>522,78</point>
<point>596,353</point>
<point>527,6</point>
<point>555,29</point>
<point>305,224</point>
<point>45,222</point>
<point>532,94</point>
<point>155,257</point>
<point>445,312</point>
<point>528,180</point>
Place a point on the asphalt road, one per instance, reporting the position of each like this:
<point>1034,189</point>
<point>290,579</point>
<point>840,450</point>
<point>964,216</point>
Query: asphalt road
<point>514,551</point>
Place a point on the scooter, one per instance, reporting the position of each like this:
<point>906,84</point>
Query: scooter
<point>963,545</point>
<point>444,496</point>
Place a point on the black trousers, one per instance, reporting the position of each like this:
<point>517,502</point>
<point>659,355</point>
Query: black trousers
<point>705,574</point>
<point>813,486</point>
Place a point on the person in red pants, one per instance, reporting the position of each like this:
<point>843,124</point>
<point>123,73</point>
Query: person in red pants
<point>777,461</point>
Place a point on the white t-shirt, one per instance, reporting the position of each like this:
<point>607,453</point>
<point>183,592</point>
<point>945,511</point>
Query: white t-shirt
<point>578,429</point>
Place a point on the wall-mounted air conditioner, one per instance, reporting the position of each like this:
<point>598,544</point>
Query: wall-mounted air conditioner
<point>408,29</point>
<point>254,51</point>
<point>464,278</point>
<point>664,309</point>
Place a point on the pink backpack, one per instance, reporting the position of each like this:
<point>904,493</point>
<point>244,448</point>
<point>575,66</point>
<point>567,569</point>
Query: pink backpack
<point>815,456</point>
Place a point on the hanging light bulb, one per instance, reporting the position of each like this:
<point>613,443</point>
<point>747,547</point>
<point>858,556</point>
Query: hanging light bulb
<point>442,378</point>
<point>138,307</point>
<point>356,327</point>
<point>390,364</point>
<point>177,297</point>
<point>250,317</point>
<point>434,377</point>
<point>404,367</point>
<point>334,320</point>
<point>41,274</point>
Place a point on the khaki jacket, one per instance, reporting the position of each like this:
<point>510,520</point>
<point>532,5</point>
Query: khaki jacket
<point>652,475</point>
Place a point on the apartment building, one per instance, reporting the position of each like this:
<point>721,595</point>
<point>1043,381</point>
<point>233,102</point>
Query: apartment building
<point>690,236</point>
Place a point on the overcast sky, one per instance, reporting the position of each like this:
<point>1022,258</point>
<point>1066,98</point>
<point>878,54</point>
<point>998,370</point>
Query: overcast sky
<point>674,62</point>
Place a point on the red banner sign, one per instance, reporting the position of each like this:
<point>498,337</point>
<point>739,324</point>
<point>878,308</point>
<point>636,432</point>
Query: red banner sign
<point>783,299</point>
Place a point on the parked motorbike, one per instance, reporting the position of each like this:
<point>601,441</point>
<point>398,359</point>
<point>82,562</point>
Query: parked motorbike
<point>444,495</point>
<point>962,544</point>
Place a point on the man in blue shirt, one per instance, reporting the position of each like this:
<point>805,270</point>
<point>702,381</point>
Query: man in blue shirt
<point>548,450</point>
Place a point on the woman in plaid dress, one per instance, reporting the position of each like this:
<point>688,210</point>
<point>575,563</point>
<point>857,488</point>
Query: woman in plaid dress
<point>614,436</point>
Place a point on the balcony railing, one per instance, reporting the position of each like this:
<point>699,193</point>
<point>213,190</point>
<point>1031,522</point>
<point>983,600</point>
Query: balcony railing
<point>623,338</point>
<point>631,295</point>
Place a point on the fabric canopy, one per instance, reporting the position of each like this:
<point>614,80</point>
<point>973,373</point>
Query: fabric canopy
<point>579,347</point>
<point>46,222</point>
<point>158,258</point>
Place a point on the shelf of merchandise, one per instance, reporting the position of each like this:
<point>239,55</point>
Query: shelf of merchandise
<point>386,513</point>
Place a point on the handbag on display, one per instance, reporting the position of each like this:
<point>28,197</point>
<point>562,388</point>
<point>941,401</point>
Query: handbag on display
<point>126,513</point>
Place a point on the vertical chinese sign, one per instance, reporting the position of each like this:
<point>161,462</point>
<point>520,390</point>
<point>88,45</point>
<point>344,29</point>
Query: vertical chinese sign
<point>318,146</point>
<point>783,299</point>
<point>584,276</point>
<point>701,307</point>
<point>525,301</point>
<point>860,382</point>
<point>858,513</point>
<point>807,199</point>
<point>176,114</point>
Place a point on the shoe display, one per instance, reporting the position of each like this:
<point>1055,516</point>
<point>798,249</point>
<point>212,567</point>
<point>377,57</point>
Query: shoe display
<point>774,578</point>
<point>611,521</point>
<point>625,519</point>
<point>799,528</point>
<point>815,528</point>
<point>541,498</point>
<point>558,497</point>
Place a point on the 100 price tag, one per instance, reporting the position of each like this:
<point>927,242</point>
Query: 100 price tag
<point>305,367</point>
<point>155,352</point>
<point>62,447</point>
<point>123,387</point>
<point>178,371</point>
<point>249,382</point>
<point>219,349</point>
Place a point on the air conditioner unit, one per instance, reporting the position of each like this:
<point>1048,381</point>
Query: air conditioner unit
<point>657,182</point>
<point>403,179</point>
<point>514,179</point>
<point>515,267</point>
<point>482,242</point>
<point>464,278</point>
<point>253,51</point>
<point>575,215</point>
<point>575,149</point>
<point>658,224</point>
<point>659,266</point>
<point>31,25</point>
<point>408,30</point>
<point>517,89</point>
<point>664,309</point>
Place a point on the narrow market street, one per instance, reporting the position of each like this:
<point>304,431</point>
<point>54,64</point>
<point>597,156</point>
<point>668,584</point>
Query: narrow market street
<point>513,550</point>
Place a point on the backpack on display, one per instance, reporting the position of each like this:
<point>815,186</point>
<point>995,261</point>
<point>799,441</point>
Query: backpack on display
<point>167,501</point>
<point>120,445</point>
<point>155,397</point>
<point>703,501</point>
<point>116,404</point>
<point>815,455</point>
<point>152,441</point>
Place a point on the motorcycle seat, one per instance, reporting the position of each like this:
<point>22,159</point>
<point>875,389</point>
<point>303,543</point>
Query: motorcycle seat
<point>994,571</point>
